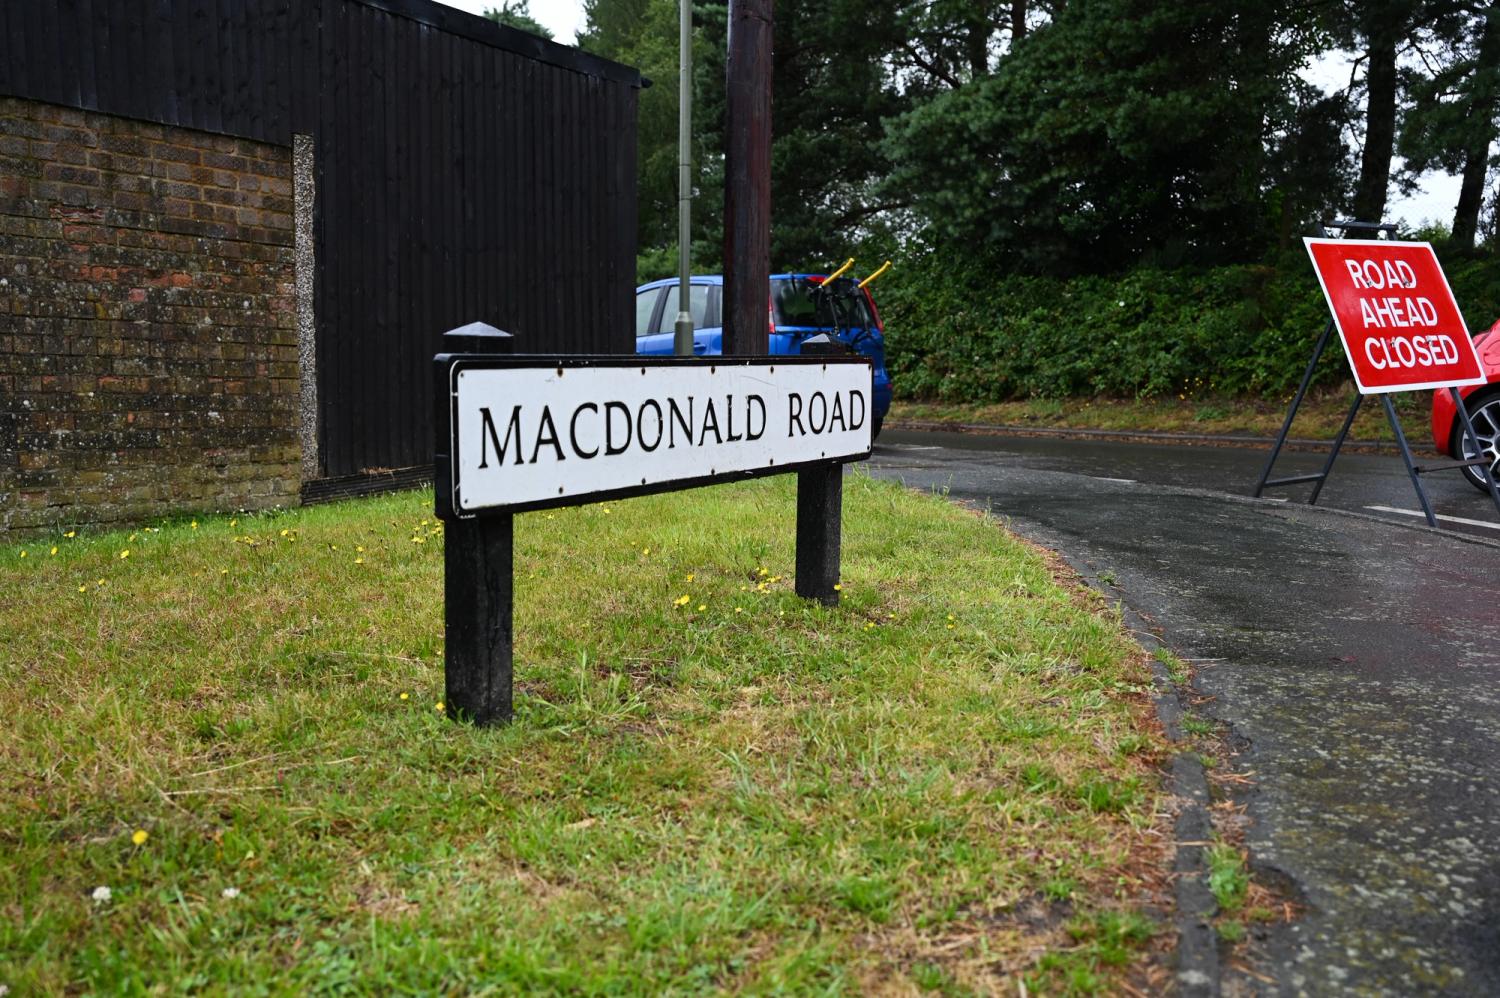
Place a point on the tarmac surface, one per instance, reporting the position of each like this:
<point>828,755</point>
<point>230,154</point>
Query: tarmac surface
<point>1354,655</point>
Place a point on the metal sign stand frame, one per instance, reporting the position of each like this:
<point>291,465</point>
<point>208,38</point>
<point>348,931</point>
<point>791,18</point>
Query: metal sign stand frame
<point>1413,470</point>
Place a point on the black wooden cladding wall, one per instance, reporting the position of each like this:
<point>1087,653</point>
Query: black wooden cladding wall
<point>464,172</point>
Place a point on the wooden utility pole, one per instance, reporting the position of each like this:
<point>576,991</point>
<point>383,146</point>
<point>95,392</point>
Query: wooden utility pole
<point>747,179</point>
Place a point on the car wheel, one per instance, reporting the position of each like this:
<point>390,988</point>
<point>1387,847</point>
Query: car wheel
<point>879,421</point>
<point>1484,412</point>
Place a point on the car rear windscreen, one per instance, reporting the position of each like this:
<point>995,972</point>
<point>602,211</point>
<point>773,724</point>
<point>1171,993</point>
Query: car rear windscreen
<point>795,306</point>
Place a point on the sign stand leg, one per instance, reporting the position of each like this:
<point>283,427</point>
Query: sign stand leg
<point>1338,443</point>
<point>1473,438</point>
<point>820,504</point>
<point>1291,413</point>
<point>478,574</point>
<point>1411,466</point>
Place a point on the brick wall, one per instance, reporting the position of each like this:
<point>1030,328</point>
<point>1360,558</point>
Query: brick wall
<point>148,337</point>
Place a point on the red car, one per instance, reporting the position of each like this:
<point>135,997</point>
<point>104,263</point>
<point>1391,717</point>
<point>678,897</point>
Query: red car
<point>1483,403</point>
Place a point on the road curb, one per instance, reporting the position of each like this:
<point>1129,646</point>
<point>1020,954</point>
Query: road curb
<point>1197,955</point>
<point>1138,436</point>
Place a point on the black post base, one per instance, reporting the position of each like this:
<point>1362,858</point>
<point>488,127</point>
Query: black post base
<point>820,507</point>
<point>478,563</point>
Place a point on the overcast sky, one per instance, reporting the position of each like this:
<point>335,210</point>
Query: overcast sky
<point>563,17</point>
<point>1434,202</point>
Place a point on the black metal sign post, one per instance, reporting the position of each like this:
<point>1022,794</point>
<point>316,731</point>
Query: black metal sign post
<point>623,426</point>
<point>820,505</point>
<point>478,570</point>
<point>1414,471</point>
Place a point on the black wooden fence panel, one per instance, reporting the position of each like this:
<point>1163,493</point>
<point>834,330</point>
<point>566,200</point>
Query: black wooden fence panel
<point>464,171</point>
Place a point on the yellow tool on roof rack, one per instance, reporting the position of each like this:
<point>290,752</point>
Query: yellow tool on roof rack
<point>840,272</point>
<point>883,268</point>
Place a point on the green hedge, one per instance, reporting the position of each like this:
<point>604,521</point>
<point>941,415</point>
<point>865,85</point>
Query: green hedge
<point>962,335</point>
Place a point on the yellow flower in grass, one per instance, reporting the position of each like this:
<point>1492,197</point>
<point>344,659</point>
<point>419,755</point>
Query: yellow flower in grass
<point>71,533</point>
<point>140,837</point>
<point>702,607</point>
<point>23,554</point>
<point>682,600</point>
<point>234,522</point>
<point>54,550</point>
<point>124,554</point>
<point>645,551</point>
<point>359,561</point>
<point>406,696</point>
<point>98,582</point>
<point>438,707</point>
<point>194,524</point>
<point>838,587</point>
<point>83,589</point>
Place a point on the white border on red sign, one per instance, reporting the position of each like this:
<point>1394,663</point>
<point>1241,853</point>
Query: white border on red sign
<point>1309,241</point>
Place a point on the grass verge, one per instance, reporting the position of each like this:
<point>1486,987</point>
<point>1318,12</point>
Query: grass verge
<point>1319,418</point>
<point>225,765</point>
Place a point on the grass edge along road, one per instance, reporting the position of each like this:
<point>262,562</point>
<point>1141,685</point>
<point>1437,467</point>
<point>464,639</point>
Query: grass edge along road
<point>1319,417</point>
<point>226,763</point>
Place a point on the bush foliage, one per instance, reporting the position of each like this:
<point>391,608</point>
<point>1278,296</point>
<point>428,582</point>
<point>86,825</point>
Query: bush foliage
<point>962,335</point>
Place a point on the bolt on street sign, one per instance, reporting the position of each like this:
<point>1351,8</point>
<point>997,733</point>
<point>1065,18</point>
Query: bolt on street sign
<point>532,433</point>
<point>1395,314</point>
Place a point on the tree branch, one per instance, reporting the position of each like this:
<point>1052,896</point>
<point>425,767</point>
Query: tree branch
<point>931,69</point>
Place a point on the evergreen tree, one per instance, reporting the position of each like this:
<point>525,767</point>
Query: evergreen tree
<point>1452,122</point>
<point>1119,129</point>
<point>517,14</point>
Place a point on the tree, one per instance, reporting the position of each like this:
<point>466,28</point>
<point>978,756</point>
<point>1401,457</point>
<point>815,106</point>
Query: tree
<point>644,34</point>
<point>832,92</point>
<point>517,14</point>
<point>1451,123</point>
<point>1121,129</point>
<point>1308,172</point>
<point>1379,25</point>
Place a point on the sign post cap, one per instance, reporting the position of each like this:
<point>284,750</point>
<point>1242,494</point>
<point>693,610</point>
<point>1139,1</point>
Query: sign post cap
<point>823,343</point>
<point>478,337</point>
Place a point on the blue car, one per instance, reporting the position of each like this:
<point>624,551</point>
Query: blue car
<point>794,317</point>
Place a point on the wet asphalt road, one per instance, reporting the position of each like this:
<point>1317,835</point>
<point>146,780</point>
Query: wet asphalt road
<point>1354,657</point>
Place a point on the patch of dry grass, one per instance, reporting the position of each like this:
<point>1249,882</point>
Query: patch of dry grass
<point>1319,417</point>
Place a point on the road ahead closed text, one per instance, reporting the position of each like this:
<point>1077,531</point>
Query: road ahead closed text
<point>528,435</point>
<point>1396,316</point>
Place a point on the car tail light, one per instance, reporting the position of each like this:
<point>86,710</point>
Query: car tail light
<point>874,312</point>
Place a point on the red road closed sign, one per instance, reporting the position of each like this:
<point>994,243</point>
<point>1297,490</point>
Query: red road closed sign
<point>1395,313</point>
